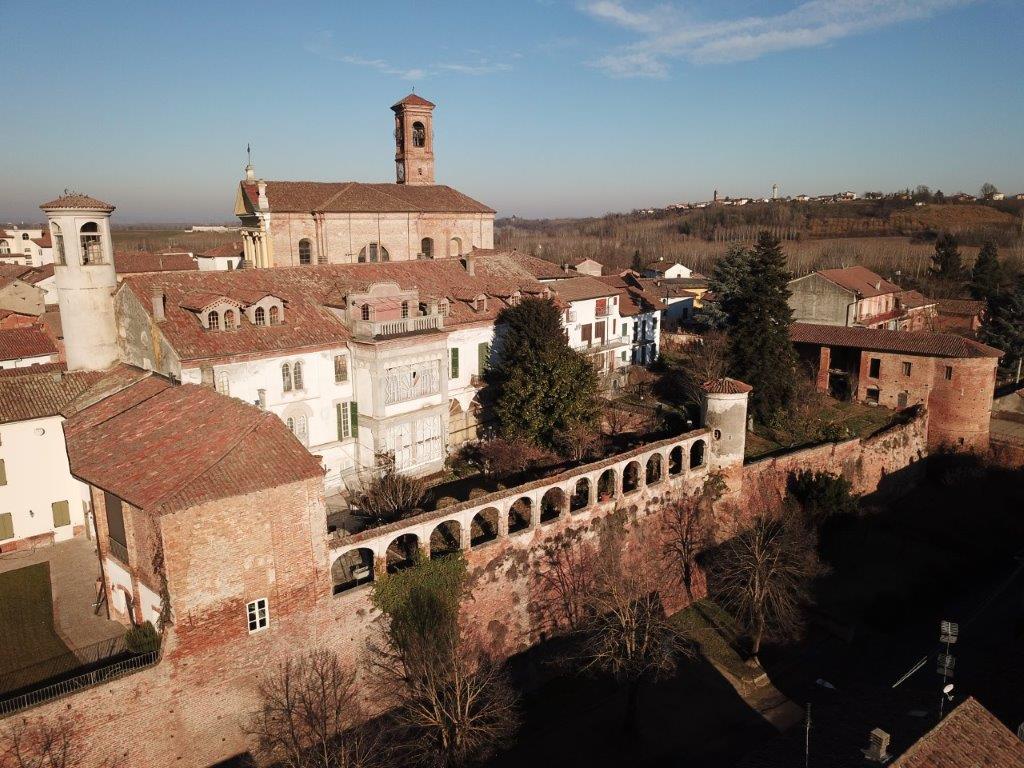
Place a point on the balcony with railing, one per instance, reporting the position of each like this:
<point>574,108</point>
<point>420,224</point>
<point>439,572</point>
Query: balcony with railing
<point>374,329</point>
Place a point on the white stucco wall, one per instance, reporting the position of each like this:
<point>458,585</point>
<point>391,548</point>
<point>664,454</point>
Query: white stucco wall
<point>36,464</point>
<point>25,362</point>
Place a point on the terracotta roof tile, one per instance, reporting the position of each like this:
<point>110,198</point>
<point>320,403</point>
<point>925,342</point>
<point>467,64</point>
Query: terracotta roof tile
<point>900,342</point>
<point>356,197</point>
<point>30,341</point>
<point>969,737</point>
<point>44,241</point>
<point>414,100</point>
<point>726,386</point>
<point>58,367</point>
<point>75,200</point>
<point>163,448</point>
<point>133,262</point>
<point>915,299</point>
<point>582,288</point>
<point>860,280</point>
<point>227,249</point>
<point>960,307</point>
<point>33,394</point>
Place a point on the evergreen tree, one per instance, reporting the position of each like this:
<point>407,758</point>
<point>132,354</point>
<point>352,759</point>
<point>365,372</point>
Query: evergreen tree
<point>760,352</point>
<point>728,278</point>
<point>947,263</point>
<point>543,387</point>
<point>1003,327</point>
<point>986,272</point>
<point>637,265</point>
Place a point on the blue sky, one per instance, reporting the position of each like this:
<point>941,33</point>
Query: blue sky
<point>545,107</point>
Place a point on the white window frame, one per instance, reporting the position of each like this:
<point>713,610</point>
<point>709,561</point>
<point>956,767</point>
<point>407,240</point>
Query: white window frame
<point>257,614</point>
<point>346,419</point>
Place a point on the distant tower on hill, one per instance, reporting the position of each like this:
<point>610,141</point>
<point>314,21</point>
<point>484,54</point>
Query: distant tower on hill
<point>715,198</point>
<point>83,265</point>
<point>414,140</point>
<point>775,191</point>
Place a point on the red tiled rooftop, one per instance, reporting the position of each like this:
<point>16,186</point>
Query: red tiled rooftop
<point>19,343</point>
<point>726,386</point>
<point>915,299</point>
<point>164,448</point>
<point>582,288</point>
<point>960,307</point>
<point>76,200</point>
<point>413,100</point>
<point>860,280</point>
<point>33,393</point>
<point>969,737</point>
<point>900,342</point>
<point>356,197</point>
<point>227,249</point>
<point>134,262</point>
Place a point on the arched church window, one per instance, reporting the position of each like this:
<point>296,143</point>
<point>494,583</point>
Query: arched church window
<point>374,252</point>
<point>419,134</point>
<point>286,378</point>
<point>92,249</point>
<point>456,246</point>
<point>427,247</point>
<point>261,316</point>
<point>297,376</point>
<point>5,246</point>
<point>305,251</point>
<point>213,320</point>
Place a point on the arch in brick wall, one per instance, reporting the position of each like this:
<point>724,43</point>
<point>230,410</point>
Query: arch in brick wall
<point>655,471</point>
<point>631,477</point>
<point>606,485</point>
<point>352,569</point>
<point>580,498</point>
<point>698,454</point>
<point>520,514</point>
<point>675,460</point>
<point>484,526</point>
<point>402,552</point>
<point>446,538</point>
<point>552,505</point>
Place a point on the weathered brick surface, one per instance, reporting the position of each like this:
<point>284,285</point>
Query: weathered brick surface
<point>189,709</point>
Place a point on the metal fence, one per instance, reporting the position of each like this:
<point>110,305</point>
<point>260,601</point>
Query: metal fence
<point>46,669</point>
<point>103,674</point>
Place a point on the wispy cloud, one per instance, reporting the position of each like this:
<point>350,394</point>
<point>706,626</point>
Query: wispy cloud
<point>668,32</point>
<point>322,45</point>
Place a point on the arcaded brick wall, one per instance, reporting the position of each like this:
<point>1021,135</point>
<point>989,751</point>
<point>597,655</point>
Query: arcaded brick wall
<point>189,709</point>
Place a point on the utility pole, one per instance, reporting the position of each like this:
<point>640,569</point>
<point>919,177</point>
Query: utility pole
<point>807,737</point>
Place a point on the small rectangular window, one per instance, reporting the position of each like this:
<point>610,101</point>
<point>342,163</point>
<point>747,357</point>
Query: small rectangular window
<point>340,369</point>
<point>907,368</point>
<point>874,368</point>
<point>61,514</point>
<point>258,615</point>
<point>454,367</point>
<point>949,373</point>
<point>3,473</point>
<point>872,395</point>
<point>6,526</point>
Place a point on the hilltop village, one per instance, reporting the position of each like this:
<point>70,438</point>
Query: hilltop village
<point>194,446</point>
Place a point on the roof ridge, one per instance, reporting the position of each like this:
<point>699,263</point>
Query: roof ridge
<point>345,186</point>
<point>400,199</point>
<point>156,503</point>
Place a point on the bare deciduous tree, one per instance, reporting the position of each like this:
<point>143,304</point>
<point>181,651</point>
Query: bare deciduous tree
<point>579,443</point>
<point>763,576</point>
<point>626,633</point>
<point>390,495</point>
<point>567,576</point>
<point>688,530</point>
<point>48,744</point>
<point>310,717</point>
<point>452,703</point>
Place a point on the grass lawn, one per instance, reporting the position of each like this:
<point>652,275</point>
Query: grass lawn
<point>715,632</point>
<point>27,635</point>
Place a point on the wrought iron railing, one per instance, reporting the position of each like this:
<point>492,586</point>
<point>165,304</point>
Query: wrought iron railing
<point>397,327</point>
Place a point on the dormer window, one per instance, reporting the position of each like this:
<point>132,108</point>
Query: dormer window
<point>229,319</point>
<point>480,303</point>
<point>444,307</point>
<point>514,299</point>
<point>405,309</point>
<point>275,315</point>
<point>213,320</point>
<point>260,316</point>
<point>365,310</point>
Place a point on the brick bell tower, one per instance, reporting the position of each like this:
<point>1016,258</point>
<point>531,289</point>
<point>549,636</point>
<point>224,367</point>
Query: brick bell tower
<point>414,140</point>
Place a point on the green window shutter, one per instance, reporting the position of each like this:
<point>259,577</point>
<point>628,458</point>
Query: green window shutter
<point>353,410</point>
<point>6,526</point>
<point>484,355</point>
<point>3,473</point>
<point>61,514</point>
<point>341,420</point>
<point>455,364</point>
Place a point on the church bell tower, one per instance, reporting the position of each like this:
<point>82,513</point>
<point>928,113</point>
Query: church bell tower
<point>414,140</point>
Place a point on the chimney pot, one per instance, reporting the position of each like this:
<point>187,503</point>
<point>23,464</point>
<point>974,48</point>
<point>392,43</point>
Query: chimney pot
<point>878,746</point>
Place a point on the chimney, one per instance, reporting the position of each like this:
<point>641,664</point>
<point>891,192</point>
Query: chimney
<point>262,201</point>
<point>158,305</point>
<point>250,173</point>
<point>878,747</point>
<point>469,262</point>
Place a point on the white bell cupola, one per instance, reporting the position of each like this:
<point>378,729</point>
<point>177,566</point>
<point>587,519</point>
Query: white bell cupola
<point>83,265</point>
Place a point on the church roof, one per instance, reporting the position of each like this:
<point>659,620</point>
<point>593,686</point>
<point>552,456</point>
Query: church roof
<point>356,197</point>
<point>75,200</point>
<point>413,100</point>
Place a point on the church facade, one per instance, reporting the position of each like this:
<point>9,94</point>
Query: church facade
<point>295,223</point>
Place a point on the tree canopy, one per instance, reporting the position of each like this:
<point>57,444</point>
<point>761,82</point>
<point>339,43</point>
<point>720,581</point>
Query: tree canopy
<point>543,387</point>
<point>986,273</point>
<point>756,302</point>
<point>947,263</point>
<point>1003,326</point>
